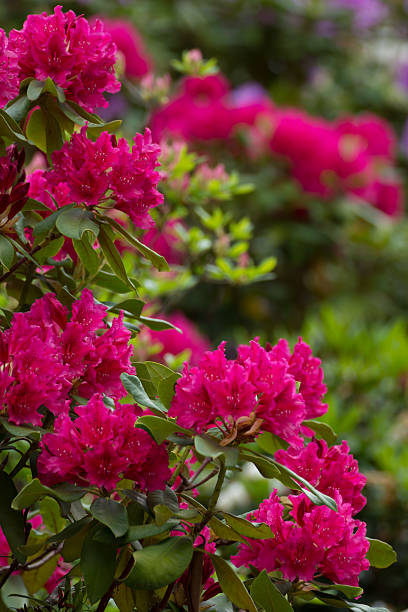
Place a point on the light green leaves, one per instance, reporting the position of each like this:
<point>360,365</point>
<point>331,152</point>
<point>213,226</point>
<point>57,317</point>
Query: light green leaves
<point>160,564</point>
<point>381,554</point>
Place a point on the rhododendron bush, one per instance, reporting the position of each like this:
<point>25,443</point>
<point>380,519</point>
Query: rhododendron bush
<point>120,428</point>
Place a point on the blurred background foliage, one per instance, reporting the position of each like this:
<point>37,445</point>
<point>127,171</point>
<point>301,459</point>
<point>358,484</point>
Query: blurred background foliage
<point>341,274</point>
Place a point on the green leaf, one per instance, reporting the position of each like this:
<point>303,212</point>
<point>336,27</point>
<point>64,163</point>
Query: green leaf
<point>266,595</point>
<point>112,514</point>
<point>36,129</point>
<point>51,514</point>
<point>109,126</point>
<point>54,90</point>
<point>231,585</point>
<point>86,252</point>
<point>6,252</point>
<point>223,531</point>
<point>75,221</point>
<point>11,521</point>
<point>35,490</point>
<point>210,447</point>
<point>124,598</point>
<point>349,591</point>
<point>260,531</point>
<point>158,324</point>
<point>19,431</point>
<point>70,530</point>
<point>113,257</point>
<point>381,554</point>
<point>161,564</point>
<point>265,467</point>
<point>160,427</point>
<point>54,135</point>
<point>135,388</point>
<point>36,578</point>
<point>110,281</point>
<point>166,497</point>
<point>139,532</point>
<point>51,249</point>
<point>32,204</point>
<point>157,260</point>
<point>42,229</point>
<point>151,374</point>
<point>35,89</point>
<point>98,563</point>
<point>131,307</point>
<point>271,443</point>
<point>322,430</point>
<point>9,126</point>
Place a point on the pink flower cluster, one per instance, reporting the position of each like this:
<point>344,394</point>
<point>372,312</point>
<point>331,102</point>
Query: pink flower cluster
<point>351,155</point>
<point>315,540</point>
<point>172,342</point>
<point>253,393</point>
<point>95,172</point>
<point>44,357</point>
<point>8,71</point>
<point>331,470</point>
<point>77,56</point>
<point>100,447</point>
<point>129,43</point>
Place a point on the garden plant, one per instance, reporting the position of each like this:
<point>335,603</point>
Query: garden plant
<point>121,429</point>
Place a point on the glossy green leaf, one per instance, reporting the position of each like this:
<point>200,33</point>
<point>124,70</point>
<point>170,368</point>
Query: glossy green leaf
<point>35,490</point>
<point>157,260</point>
<point>139,532</point>
<point>135,388</point>
<point>8,123</point>
<point>113,257</point>
<point>6,252</point>
<point>259,531</point>
<point>112,514</point>
<point>381,554</point>
<point>51,514</point>
<point>35,89</point>
<point>265,467</point>
<point>98,563</point>
<point>87,253</point>
<point>42,229</point>
<point>11,521</point>
<point>160,427</point>
<point>322,430</point>
<point>271,443</point>
<point>75,221</point>
<point>158,324</point>
<point>231,584</point>
<point>51,249</point>
<point>266,595</point>
<point>223,531</point>
<point>131,307</point>
<point>36,578</point>
<point>161,564</point>
<point>36,129</point>
<point>70,530</point>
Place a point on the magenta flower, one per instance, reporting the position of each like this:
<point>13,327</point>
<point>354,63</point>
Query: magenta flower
<point>95,172</point>
<point>8,71</point>
<point>13,186</point>
<point>332,470</point>
<point>256,392</point>
<point>101,447</point>
<point>129,43</point>
<point>77,56</point>
<point>44,357</point>
<point>314,540</point>
<point>171,342</point>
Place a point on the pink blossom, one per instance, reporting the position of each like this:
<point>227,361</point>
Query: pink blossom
<point>172,342</point>
<point>256,392</point>
<point>8,71</point>
<point>77,56</point>
<point>331,470</point>
<point>44,357</point>
<point>314,540</point>
<point>166,241</point>
<point>100,447</point>
<point>129,43</point>
<point>95,172</point>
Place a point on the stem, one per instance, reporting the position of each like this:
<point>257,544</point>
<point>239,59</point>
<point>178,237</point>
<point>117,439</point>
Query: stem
<point>206,479</point>
<point>23,260</point>
<point>204,464</point>
<point>105,599</point>
<point>220,480</point>
<point>195,581</point>
<point>180,466</point>
<point>10,569</point>
<point>166,597</point>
